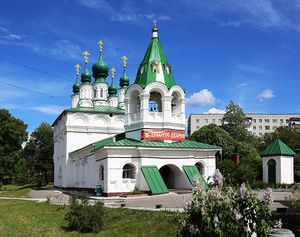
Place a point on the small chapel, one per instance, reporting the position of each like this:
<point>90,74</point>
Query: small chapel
<point>130,136</point>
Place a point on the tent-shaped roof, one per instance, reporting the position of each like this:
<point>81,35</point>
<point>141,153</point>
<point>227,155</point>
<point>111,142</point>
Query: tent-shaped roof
<point>154,55</point>
<point>277,148</point>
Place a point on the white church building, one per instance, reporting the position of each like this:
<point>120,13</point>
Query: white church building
<point>128,138</point>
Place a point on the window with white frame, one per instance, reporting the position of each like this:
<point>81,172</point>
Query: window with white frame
<point>128,171</point>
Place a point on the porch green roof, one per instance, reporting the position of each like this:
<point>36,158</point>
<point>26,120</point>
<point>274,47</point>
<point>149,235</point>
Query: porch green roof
<point>277,148</point>
<point>98,109</point>
<point>125,142</point>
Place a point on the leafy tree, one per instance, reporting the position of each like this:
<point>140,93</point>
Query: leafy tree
<point>290,137</point>
<point>297,168</point>
<point>39,152</point>
<point>212,134</point>
<point>234,121</point>
<point>21,175</point>
<point>12,135</point>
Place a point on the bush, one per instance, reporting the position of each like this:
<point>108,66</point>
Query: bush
<point>84,217</point>
<point>223,211</point>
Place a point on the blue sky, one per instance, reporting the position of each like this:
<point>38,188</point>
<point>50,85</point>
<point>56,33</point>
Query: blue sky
<point>221,50</point>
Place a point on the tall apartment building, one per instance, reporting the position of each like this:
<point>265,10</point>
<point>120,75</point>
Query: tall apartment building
<point>258,124</point>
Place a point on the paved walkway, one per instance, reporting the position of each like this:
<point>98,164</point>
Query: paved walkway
<point>171,201</point>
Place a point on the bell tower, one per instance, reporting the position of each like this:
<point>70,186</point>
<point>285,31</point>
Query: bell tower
<point>155,104</point>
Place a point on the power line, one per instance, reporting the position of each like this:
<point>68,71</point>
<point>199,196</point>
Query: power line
<point>32,68</point>
<point>26,89</point>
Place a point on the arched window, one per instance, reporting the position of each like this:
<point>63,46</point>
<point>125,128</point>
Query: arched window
<point>128,171</point>
<point>95,93</point>
<point>200,167</point>
<point>101,92</point>
<point>101,172</point>
<point>155,102</point>
<point>175,103</point>
<point>134,102</point>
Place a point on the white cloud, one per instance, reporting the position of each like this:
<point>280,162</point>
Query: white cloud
<point>261,14</point>
<point>215,111</point>
<point>124,13</point>
<point>137,17</point>
<point>7,34</point>
<point>243,84</point>
<point>203,97</point>
<point>266,94</point>
<point>49,109</point>
<point>66,49</point>
<point>97,4</point>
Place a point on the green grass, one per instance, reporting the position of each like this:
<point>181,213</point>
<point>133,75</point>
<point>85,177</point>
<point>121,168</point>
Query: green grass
<point>25,218</point>
<point>13,190</point>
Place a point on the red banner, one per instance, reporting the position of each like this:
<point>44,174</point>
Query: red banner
<point>163,134</point>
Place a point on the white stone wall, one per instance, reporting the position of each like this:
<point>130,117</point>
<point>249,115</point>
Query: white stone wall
<point>76,130</point>
<point>284,169</point>
<point>114,159</point>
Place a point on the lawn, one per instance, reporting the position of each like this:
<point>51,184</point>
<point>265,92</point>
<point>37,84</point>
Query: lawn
<point>13,190</point>
<point>27,218</point>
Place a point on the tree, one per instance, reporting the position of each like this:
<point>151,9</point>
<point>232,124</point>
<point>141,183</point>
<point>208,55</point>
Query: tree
<point>290,137</point>
<point>12,135</point>
<point>214,135</point>
<point>39,152</point>
<point>234,122</point>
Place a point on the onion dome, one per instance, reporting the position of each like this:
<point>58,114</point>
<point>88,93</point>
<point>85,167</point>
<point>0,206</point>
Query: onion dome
<point>76,84</point>
<point>86,76</point>
<point>100,68</point>
<point>124,80</point>
<point>112,90</point>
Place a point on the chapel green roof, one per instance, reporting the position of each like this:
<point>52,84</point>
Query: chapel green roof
<point>154,54</point>
<point>121,141</point>
<point>277,148</point>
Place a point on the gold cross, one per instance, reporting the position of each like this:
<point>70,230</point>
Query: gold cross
<point>86,55</point>
<point>100,43</point>
<point>77,67</point>
<point>113,71</point>
<point>125,59</point>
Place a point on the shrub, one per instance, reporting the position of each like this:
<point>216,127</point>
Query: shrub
<point>84,217</point>
<point>223,211</point>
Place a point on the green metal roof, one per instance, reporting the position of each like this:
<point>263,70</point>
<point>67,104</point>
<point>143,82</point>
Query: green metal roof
<point>154,53</point>
<point>125,142</point>
<point>98,109</point>
<point>277,148</point>
<point>95,109</point>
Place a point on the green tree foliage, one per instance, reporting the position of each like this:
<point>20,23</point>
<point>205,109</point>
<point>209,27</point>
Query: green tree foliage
<point>39,152</point>
<point>214,135</point>
<point>297,168</point>
<point>21,174</point>
<point>234,121</point>
<point>84,217</point>
<point>290,137</point>
<point>12,135</point>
